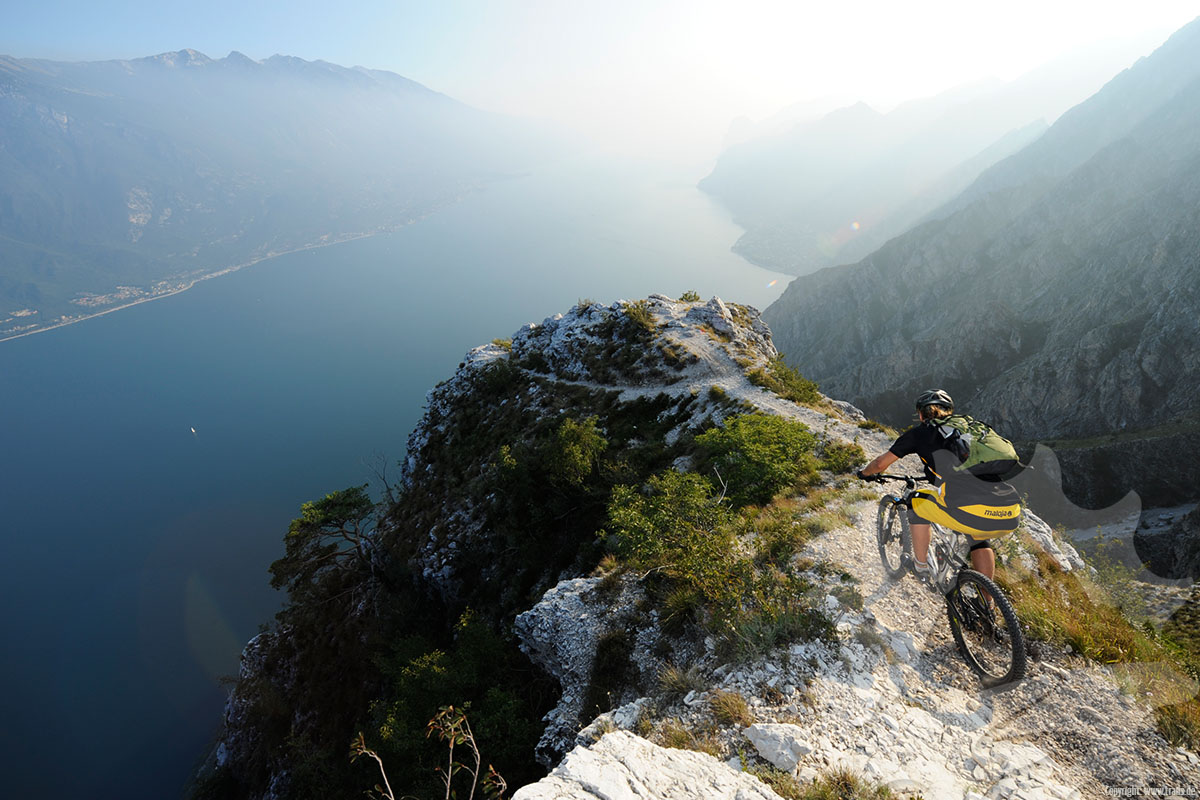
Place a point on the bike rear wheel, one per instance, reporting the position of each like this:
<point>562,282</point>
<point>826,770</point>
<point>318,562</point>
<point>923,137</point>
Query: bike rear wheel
<point>988,635</point>
<point>894,538</point>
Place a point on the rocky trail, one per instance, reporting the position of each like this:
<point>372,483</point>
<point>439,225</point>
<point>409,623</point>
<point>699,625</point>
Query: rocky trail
<point>895,703</point>
<point>1067,730</point>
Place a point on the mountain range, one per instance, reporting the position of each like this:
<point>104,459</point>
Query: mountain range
<point>815,189</point>
<point>121,180</point>
<point>1057,296</point>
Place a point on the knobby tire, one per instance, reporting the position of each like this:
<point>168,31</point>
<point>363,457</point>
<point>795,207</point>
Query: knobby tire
<point>992,644</point>
<point>894,538</point>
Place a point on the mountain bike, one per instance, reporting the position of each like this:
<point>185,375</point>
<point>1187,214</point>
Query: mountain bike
<point>982,620</point>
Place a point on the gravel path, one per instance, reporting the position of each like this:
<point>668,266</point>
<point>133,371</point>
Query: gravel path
<point>1086,734</point>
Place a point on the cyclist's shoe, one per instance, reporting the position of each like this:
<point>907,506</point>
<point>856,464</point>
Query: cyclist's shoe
<point>922,569</point>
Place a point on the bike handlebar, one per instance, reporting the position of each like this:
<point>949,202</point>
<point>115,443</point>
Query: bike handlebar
<point>911,480</point>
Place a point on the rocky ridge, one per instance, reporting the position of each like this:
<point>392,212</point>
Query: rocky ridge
<point>889,697</point>
<point>891,700</point>
<point>695,366</point>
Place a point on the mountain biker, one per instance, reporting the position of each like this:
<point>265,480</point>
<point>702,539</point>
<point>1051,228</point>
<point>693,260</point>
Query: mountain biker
<point>977,503</point>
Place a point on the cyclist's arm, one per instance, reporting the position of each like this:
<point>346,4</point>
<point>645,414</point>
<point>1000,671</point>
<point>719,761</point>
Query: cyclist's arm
<point>881,463</point>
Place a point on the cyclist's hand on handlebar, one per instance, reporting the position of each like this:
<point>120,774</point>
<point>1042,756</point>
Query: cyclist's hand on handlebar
<point>876,478</point>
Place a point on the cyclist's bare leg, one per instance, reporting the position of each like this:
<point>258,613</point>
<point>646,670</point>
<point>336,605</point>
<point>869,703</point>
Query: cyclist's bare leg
<point>920,539</point>
<point>983,560</point>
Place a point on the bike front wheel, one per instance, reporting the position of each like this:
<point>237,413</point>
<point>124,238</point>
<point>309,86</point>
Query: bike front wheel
<point>987,633</point>
<point>894,538</point>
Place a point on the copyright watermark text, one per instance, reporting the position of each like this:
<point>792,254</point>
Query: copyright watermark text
<point>1152,791</point>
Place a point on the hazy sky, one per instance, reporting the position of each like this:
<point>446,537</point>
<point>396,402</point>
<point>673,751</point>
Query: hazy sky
<point>643,73</point>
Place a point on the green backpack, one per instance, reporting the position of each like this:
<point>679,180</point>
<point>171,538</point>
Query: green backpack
<point>979,449</point>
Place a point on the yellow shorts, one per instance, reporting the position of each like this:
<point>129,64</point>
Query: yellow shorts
<point>977,520</point>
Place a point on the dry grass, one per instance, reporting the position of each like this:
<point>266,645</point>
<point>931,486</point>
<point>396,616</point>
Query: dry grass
<point>1071,608</point>
<point>1068,608</point>
<point>672,733</point>
<point>730,708</point>
<point>1180,723</point>
<point>836,785</point>
<point>844,785</point>
<point>872,425</point>
<point>676,682</point>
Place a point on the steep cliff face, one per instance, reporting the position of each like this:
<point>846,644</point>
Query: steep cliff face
<point>1057,297</point>
<point>1174,552</point>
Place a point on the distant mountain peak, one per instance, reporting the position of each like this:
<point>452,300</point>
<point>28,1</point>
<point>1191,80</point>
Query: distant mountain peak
<point>180,58</point>
<point>236,57</point>
<point>859,109</point>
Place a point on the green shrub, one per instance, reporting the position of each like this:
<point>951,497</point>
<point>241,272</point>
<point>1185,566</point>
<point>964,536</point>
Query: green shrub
<point>576,451</point>
<point>787,383</point>
<point>639,313</point>
<point>677,528</point>
<point>842,457</point>
<point>689,297</point>
<point>503,343</point>
<point>677,532</point>
<point>476,670</point>
<point>778,608</point>
<point>759,455</point>
<point>778,532</point>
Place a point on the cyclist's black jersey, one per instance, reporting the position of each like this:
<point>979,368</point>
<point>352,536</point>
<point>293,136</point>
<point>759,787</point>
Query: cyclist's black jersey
<point>939,468</point>
<point>923,440</point>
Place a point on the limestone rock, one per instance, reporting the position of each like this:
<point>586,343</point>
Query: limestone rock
<point>561,634</point>
<point>622,766</point>
<point>1063,553</point>
<point>781,744</point>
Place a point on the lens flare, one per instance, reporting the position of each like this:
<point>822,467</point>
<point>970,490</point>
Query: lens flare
<point>772,283</point>
<point>855,225</point>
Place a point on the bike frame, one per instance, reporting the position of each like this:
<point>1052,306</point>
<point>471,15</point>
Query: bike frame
<point>948,549</point>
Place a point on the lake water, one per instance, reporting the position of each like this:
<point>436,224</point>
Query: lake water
<point>135,551</point>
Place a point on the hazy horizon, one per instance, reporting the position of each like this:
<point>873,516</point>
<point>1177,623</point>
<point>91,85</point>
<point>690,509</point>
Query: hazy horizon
<point>664,79</point>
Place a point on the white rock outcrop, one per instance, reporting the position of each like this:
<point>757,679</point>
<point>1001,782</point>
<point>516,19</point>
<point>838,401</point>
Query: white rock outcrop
<point>560,634</point>
<point>622,766</point>
<point>781,744</point>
